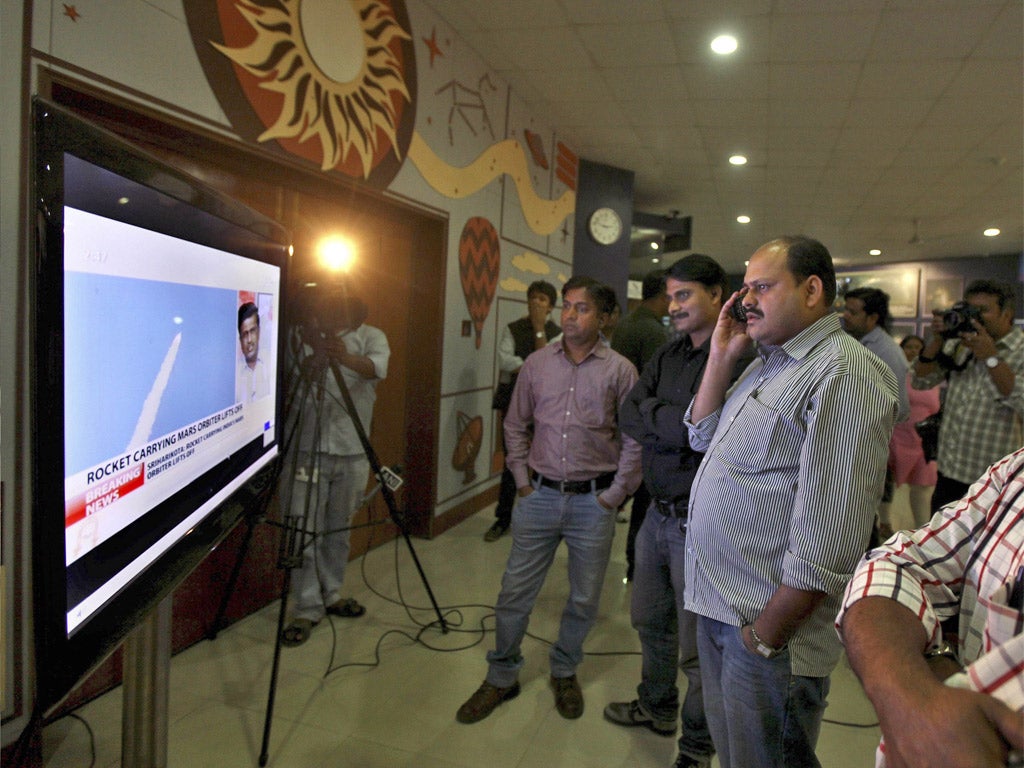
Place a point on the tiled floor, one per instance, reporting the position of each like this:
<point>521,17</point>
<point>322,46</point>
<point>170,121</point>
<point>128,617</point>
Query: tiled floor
<point>390,701</point>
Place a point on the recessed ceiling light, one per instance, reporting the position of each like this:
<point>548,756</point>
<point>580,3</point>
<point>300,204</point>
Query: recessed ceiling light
<point>743,219</point>
<point>991,232</point>
<point>654,245</point>
<point>724,45</point>
<point>655,260</point>
<point>875,252</point>
<point>746,263</point>
<point>738,160</point>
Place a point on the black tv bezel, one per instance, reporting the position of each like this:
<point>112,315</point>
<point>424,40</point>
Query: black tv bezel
<point>207,217</point>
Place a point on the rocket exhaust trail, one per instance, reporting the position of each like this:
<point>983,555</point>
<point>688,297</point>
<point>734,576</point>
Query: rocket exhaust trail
<point>152,404</point>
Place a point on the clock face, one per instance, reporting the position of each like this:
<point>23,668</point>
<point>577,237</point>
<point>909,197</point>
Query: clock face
<point>605,226</point>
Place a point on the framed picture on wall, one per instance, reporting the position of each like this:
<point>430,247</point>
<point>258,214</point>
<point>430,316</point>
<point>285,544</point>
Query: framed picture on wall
<point>900,331</point>
<point>901,284</point>
<point>941,293</point>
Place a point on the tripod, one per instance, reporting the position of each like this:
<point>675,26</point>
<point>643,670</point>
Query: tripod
<point>297,534</point>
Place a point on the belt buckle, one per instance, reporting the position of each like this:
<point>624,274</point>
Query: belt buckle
<point>667,508</point>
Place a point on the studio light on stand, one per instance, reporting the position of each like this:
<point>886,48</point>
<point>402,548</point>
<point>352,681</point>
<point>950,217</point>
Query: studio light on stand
<point>322,311</point>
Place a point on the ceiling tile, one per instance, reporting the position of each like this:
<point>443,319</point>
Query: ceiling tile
<point>811,37</point>
<point>857,117</point>
<point>929,33</point>
<point>906,79</point>
<point>609,45</point>
<point>832,80</point>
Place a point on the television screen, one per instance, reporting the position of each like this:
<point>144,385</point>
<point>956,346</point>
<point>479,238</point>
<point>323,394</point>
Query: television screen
<point>156,318</point>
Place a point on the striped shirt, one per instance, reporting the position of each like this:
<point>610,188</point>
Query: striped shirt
<point>979,425</point>
<point>563,421</point>
<point>963,566</point>
<point>788,490</point>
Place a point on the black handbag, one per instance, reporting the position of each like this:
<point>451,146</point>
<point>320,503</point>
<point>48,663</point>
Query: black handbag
<point>928,429</point>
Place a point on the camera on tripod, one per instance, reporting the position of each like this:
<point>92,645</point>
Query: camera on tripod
<point>324,311</point>
<point>957,319</point>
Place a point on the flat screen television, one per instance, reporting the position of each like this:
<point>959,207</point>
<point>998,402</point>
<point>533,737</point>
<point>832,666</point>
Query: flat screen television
<point>155,406</point>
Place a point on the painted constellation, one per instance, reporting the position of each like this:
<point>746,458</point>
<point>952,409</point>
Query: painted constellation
<point>469,105</point>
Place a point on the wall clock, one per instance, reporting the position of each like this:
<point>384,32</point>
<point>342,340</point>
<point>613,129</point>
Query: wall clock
<point>605,226</point>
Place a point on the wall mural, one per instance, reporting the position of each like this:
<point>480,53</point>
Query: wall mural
<point>467,446</point>
<point>332,83</point>
<point>468,106</point>
<point>479,265</point>
<point>505,157</point>
<point>335,84</point>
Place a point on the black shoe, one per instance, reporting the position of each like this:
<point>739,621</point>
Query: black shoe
<point>496,531</point>
<point>484,701</point>
<point>685,761</point>
<point>568,697</point>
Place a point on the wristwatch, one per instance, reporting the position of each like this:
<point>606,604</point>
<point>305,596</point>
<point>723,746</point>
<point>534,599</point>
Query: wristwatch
<point>944,649</point>
<point>991,362</point>
<point>768,651</point>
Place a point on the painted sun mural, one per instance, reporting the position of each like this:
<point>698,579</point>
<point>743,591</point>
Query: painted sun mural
<point>333,82</point>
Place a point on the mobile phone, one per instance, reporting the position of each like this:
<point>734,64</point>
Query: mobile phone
<point>739,312</point>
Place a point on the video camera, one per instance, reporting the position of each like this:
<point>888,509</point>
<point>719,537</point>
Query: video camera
<point>325,310</point>
<point>957,319</point>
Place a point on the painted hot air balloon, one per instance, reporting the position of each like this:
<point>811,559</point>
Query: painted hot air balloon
<point>479,265</point>
<point>471,432</point>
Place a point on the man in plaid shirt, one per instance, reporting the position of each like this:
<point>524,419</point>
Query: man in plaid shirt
<point>962,574</point>
<point>983,359</point>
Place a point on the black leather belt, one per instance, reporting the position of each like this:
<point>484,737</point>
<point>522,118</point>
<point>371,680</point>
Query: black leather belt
<point>599,483</point>
<point>671,508</point>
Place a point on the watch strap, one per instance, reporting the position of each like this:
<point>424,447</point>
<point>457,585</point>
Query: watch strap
<point>763,648</point>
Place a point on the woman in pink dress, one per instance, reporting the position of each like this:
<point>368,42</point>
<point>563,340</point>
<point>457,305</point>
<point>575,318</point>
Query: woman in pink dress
<point>905,453</point>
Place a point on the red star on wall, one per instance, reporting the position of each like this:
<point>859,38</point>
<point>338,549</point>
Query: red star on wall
<point>71,12</point>
<point>432,45</point>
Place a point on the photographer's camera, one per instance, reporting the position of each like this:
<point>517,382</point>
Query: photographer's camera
<point>957,319</point>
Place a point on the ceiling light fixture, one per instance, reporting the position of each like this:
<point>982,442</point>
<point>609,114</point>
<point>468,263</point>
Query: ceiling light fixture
<point>723,45</point>
<point>655,260</point>
<point>738,160</point>
<point>875,252</point>
<point>654,245</point>
<point>991,232</point>
<point>743,219</point>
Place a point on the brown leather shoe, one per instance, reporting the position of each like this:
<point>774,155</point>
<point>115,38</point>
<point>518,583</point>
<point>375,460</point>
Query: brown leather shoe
<point>484,701</point>
<point>568,697</point>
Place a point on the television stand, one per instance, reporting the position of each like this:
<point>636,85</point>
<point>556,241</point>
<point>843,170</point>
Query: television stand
<point>146,679</point>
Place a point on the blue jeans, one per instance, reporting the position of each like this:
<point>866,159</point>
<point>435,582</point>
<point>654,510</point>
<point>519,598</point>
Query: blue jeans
<point>759,712</point>
<point>540,522</point>
<point>668,634</point>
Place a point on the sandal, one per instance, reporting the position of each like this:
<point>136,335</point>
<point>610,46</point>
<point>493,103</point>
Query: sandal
<point>347,609</point>
<point>297,632</point>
